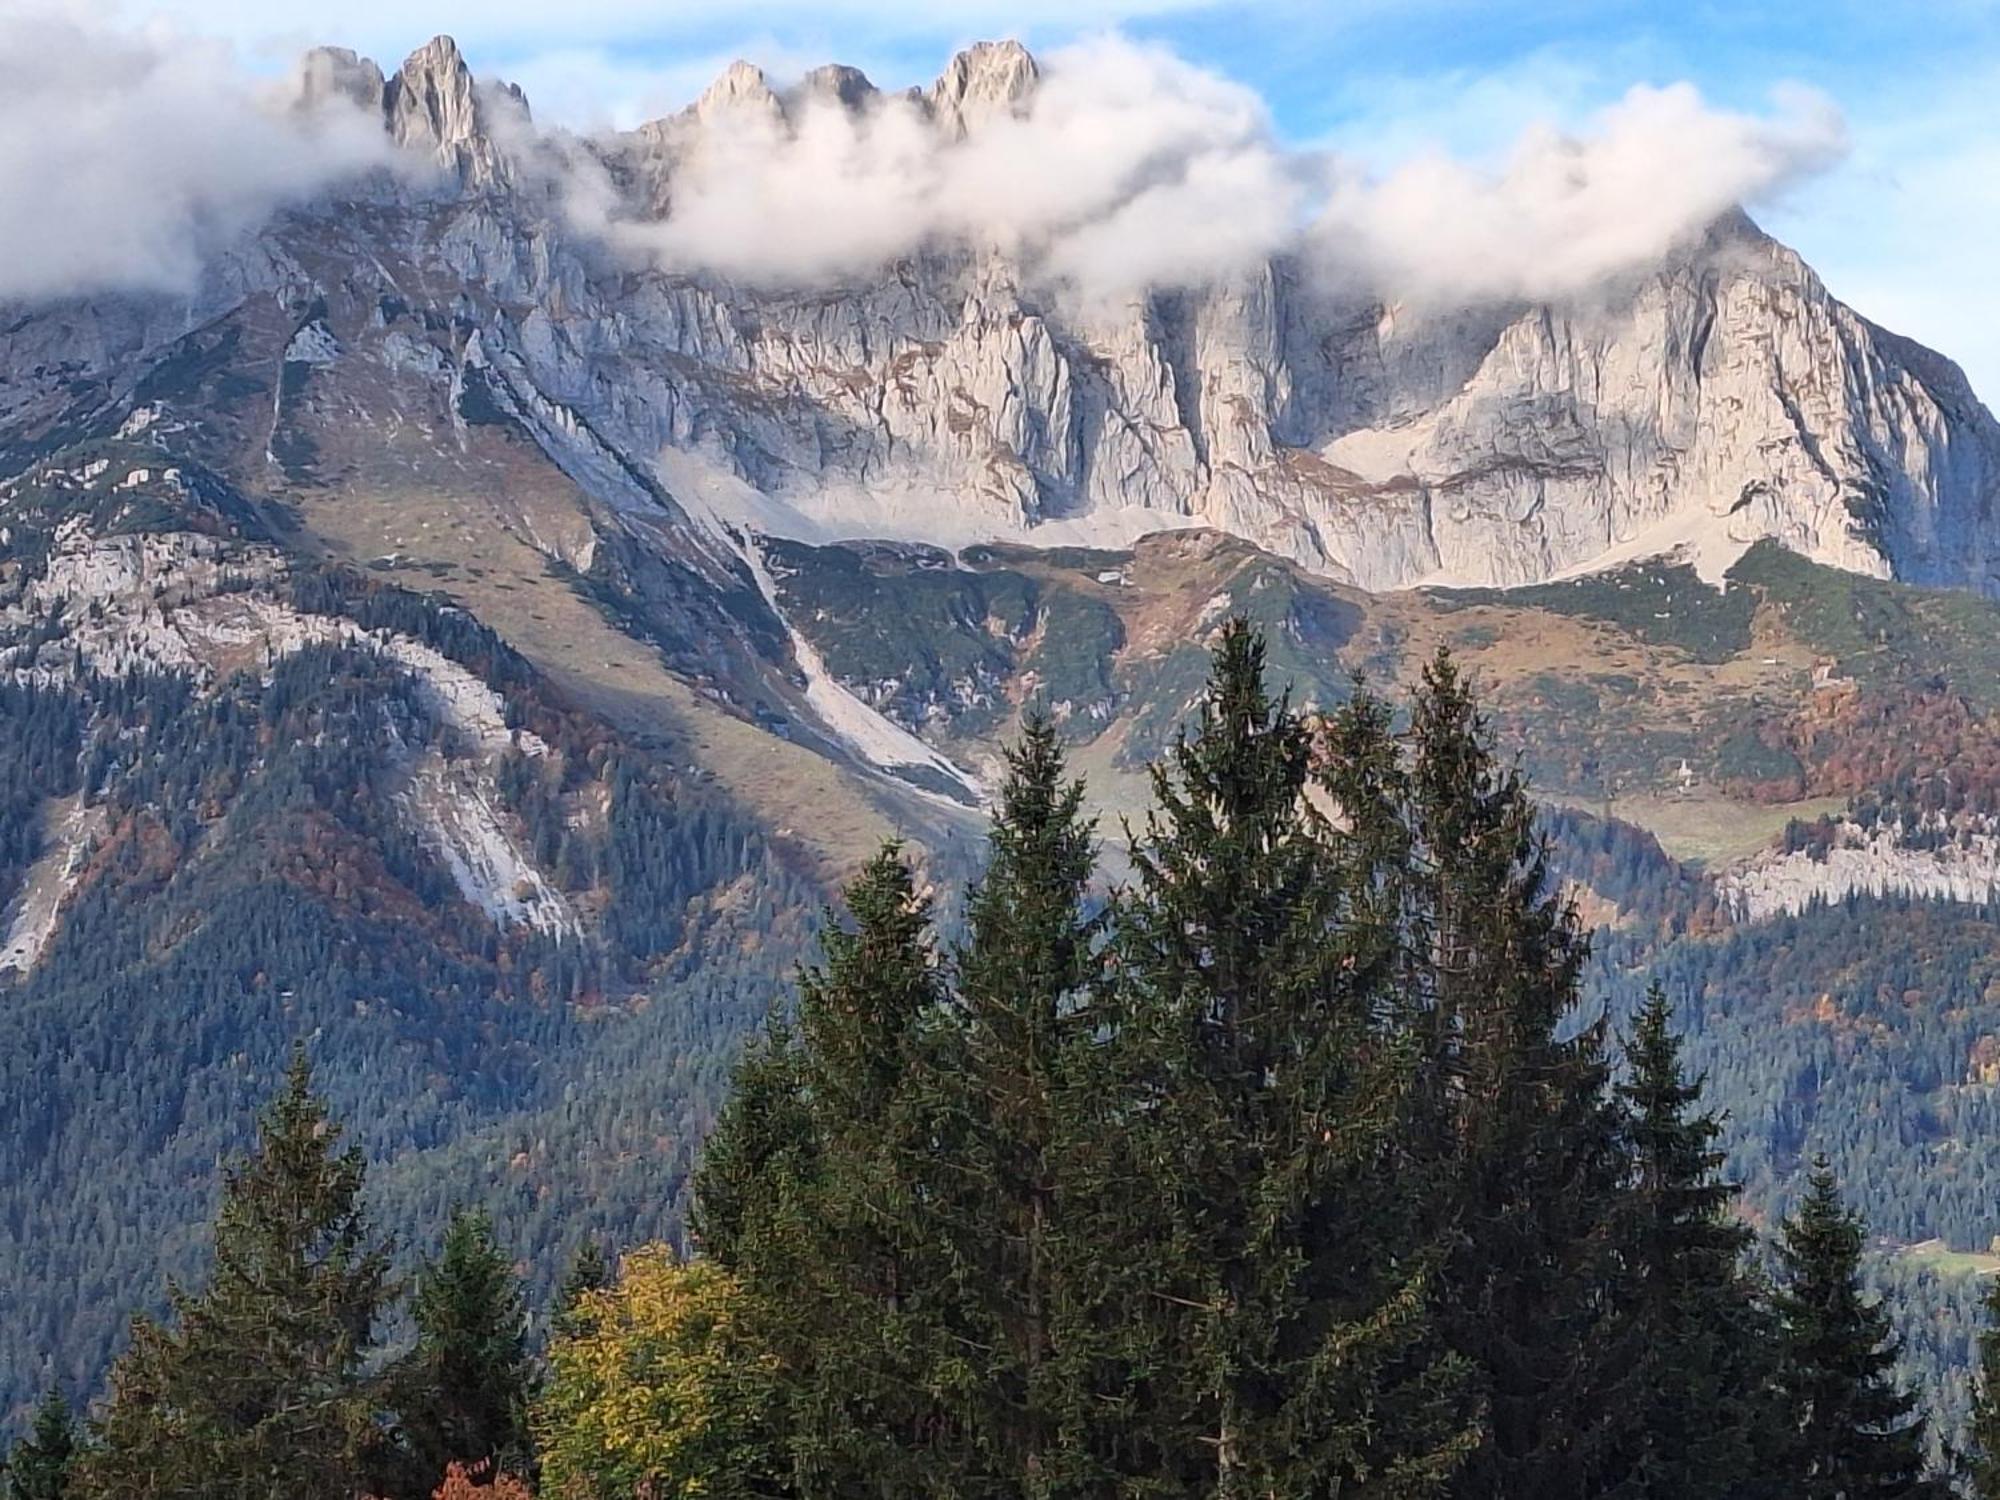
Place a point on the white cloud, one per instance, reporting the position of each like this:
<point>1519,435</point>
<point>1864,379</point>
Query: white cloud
<point>1129,168</point>
<point>1567,210</point>
<point>126,159</point>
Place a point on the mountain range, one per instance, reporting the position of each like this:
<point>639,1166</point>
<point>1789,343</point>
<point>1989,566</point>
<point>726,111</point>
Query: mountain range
<point>459,631</point>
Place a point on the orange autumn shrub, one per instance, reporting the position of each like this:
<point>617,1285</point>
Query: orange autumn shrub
<point>479,1483</point>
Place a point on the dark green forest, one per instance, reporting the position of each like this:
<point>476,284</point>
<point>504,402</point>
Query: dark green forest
<point>256,884</point>
<point>1313,1161</point>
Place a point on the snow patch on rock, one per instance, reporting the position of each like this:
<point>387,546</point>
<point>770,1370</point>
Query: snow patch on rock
<point>313,344</point>
<point>70,829</point>
<point>872,735</point>
<point>454,812</point>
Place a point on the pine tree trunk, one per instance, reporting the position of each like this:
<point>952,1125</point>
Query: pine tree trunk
<point>1228,1439</point>
<point>1226,1458</point>
<point>1037,1337</point>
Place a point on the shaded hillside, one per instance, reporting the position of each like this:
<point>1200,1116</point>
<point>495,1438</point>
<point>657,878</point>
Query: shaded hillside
<point>252,799</point>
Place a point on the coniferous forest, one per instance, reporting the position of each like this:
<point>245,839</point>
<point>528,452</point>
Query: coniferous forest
<point>1294,1166</point>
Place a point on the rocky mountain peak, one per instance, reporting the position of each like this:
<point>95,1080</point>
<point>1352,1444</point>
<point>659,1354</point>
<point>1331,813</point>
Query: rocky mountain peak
<point>742,87</point>
<point>1718,397</point>
<point>329,74</point>
<point>434,107</point>
<point>836,83</point>
<point>986,79</point>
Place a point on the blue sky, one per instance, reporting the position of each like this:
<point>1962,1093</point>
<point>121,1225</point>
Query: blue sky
<point>1903,227</point>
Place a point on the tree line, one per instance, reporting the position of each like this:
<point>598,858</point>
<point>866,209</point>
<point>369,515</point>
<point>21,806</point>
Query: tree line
<point>1290,1169</point>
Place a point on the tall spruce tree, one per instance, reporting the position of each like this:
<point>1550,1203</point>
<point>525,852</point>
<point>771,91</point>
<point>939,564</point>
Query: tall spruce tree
<point>588,1272</point>
<point>466,1385</point>
<point>39,1467</point>
<point>761,1154</point>
<point>1516,1137</point>
<point>1272,1086</point>
<point>259,1384</point>
<point>1004,1082</point>
<point>808,1194</point>
<point>1982,1448</point>
<point>1699,1409</point>
<point>1855,1435</point>
<point>1366,782</point>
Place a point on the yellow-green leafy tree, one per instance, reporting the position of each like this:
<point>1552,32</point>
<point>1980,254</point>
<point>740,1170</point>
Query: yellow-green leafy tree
<point>660,1388</point>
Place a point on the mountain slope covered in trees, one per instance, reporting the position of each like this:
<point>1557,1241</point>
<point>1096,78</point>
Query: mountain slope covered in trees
<point>1285,1173</point>
<point>260,792</point>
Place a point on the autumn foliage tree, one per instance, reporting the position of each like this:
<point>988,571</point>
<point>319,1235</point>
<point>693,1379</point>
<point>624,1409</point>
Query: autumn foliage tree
<point>480,1481</point>
<point>660,1387</point>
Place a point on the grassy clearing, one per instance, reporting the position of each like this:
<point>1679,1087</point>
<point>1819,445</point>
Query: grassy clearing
<point>1657,602</point>
<point>1937,1256</point>
<point>505,583</point>
<point>1711,830</point>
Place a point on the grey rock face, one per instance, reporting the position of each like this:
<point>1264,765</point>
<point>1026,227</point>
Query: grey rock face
<point>1724,397</point>
<point>984,80</point>
<point>326,74</point>
<point>433,107</point>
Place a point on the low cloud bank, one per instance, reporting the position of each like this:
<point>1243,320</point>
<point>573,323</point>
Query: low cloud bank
<point>1565,212</point>
<point>1122,168</point>
<point>126,160</point>
<point>1127,169</point>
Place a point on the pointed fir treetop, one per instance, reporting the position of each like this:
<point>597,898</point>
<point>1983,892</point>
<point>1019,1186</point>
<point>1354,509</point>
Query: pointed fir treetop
<point>1247,761</point>
<point>468,1303</point>
<point>1028,944</point>
<point>808,1192</point>
<point>1446,724</point>
<point>877,977</point>
<point>1469,804</point>
<point>1361,768</point>
<point>469,1378</point>
<point>1859,1434</point>
<point>295,1201</point>
<point>1003,1084</point>
<point>265,1371</point>
<point>766,1135</point>
<point>1693,1336</point>
<point>588,1271</point>
<point>39,1467</point>
<point>1821,1242</point>
<point>1676,1149</point>
<point>1039,822</point>
<point>1362,777</point>
<point>1514,1108</point>
<point>1479,847</point>
<point>1231,856</point>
